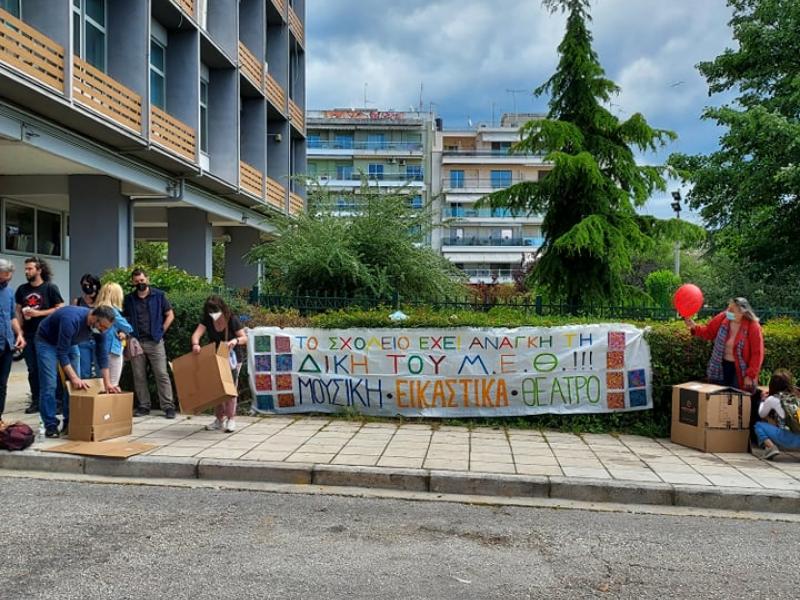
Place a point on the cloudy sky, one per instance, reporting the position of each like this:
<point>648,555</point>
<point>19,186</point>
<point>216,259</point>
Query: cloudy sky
<point>476,57</point>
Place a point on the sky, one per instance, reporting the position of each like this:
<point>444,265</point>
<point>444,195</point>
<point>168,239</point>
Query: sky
<point>469,59</point>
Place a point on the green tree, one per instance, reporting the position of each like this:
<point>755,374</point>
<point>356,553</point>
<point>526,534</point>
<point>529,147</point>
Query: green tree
<point>150,254</point>
<point>590,228</point>
<point>747,190</point>
<point>349,244</point>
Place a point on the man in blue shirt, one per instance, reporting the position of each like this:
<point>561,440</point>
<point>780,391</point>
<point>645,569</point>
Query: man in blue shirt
<point>56,344</point>
<point>10,332</point>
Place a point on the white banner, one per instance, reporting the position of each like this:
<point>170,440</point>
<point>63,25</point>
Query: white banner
<point>455,372</point>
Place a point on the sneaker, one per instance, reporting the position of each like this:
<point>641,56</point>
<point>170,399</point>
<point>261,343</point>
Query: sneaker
<point>169,413</point>
<point>230,426</point>
<point>215,426</point>
<point>32,409</point>
<point>770,452</point>
<point>141,412</point>
<point>51,432</point>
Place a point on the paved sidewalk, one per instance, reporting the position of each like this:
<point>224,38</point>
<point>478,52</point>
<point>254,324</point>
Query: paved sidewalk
<point>624,460</point>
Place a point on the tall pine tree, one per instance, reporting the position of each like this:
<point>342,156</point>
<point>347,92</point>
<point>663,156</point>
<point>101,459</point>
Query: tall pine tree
<point>590,227</point>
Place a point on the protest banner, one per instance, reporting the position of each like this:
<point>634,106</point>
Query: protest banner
<point>456,372</point>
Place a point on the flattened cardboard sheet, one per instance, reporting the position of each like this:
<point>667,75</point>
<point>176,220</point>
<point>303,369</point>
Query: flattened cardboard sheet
<point>113,449</point>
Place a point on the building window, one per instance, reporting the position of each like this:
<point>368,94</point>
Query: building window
<point>376,141</point>
<point>457,178</point>
<point>11,6</point>
<point>415,202</point>
<point>375,171</point>
<point>414,172</point>
<point>344,171</point>
<point>502,147</point>
<point>344,142</point>
<point>501,179</point>
<point>31,230</point>
<point>204,116</point>
<point>314,140</point>
<point>158,74</point>
<point>89,31</point>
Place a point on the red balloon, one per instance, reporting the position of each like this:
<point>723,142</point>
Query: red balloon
<point>688,299</point>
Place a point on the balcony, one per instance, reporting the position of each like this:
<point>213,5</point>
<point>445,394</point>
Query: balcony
<point>348,178</point>
<point>275,93</point>
<point>488,156</point>
<point>471,185</point>
<point>251,179</point>
<point>475,241</point>
<point>172,134</point>
<point>296,25</point>
<point>276,194</point>
<point>251,67</point>
<point>297,117</point>
<point>296,204</point>
<point>102,94</point>
<point>459,212</point>
<point>363,148</point>
<point>25,49</point>
<point>186,6</point>
<point>489,275</point>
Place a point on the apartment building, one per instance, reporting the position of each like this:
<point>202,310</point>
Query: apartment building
<point>391,148</point>
<point>175,120</point>
<point>488,244</point>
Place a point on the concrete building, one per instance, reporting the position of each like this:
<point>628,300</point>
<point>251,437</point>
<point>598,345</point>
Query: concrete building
<point>393,149</point>
<point>488,244</point>
<point>176,120</point>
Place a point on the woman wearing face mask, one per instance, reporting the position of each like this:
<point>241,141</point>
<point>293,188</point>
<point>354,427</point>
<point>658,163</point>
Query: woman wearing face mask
<point>111,294</point>
<point>738,345</point>
<point>221,327</point>
<point>90,287</point>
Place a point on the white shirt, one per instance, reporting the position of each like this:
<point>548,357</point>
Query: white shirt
<point>770,404</point>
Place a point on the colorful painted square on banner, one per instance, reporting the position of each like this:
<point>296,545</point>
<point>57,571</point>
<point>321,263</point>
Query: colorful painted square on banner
<point>616,341</point>
<point>263,343</point>
<point>637,397</point>
<point>283,362</point>
<point>283,382</point>
<point>286,400</point>
<point>636,378</point>
<point>283,344</point>
<point>615,360</point>
<point>615,380</point>
<point>263,363</point>
<point>616,400</point>
<point>263,382</point>
<point>265,402</point>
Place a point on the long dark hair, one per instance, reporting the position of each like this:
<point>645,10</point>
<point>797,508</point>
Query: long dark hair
<point>215,303</point>
<point>93,281</point>
<point>45,271</point>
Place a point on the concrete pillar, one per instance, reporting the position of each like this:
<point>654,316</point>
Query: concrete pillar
<point>238,272</point>
<point>189,241</point>
<point>101,227</point>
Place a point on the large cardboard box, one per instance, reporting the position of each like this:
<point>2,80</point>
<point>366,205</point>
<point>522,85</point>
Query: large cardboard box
<point>203,380</point>
<point>95,416</point>
<point>711,418</point>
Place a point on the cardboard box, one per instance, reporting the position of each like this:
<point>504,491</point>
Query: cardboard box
<point>95,415</point>
<point>203,380</point>
<point>711,418</point>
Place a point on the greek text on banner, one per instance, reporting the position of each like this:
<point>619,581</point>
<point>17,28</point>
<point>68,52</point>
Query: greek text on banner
<point>455,372</point>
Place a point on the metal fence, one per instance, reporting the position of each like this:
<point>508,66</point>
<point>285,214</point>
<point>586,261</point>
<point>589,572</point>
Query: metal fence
<point>532,306</point>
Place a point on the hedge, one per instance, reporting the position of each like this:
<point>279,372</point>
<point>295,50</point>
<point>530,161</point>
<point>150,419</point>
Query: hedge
<point>676,356</point>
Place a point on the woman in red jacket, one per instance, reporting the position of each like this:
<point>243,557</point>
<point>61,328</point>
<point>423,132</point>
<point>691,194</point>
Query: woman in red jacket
<point>738,345</point>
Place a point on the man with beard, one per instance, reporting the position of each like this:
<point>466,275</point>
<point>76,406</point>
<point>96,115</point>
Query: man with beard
<point>37,299</point>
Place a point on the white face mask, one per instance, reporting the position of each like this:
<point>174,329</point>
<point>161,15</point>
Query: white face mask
<point>215,316</point>
<point>95,330</point>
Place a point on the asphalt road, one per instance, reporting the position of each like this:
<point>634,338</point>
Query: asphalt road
<point>82,540</point>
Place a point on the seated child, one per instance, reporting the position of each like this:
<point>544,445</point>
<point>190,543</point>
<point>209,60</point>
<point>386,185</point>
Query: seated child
<point>782,405</point>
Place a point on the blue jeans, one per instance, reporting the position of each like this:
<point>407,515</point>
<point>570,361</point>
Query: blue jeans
<point>48,381</point>
<point>33,368</point>
<point>6,356</point>
<point>782,438</point>
<point>88,363</point>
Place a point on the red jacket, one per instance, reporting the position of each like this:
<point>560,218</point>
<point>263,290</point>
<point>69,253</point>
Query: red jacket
<point>753,351</point>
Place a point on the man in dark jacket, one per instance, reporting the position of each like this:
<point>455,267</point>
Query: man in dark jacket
<point>150,314</point>
<point>57,342</point>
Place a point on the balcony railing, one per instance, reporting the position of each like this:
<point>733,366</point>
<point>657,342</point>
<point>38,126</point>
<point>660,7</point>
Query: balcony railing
<point>251,67</point>
<point>490,241</point>
<point>251,179</point>
<point>365,145</point>
<point>97,91</point>
<point>456,212</point>
<point>172,134</point>
<point>186,6</point>
<point>296,204</point>
<point>356,177</point>
<point>276,194</point>
<point>497,274</point>
<point>25,49</point>
<point>296,116</point>
<point>296,25</point>
<point>274,92</point>
<point>281,6</point>
<point>490,153</point>
<point>482,183</point>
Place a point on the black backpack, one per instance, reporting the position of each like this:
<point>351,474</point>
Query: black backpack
<point>16,436</point>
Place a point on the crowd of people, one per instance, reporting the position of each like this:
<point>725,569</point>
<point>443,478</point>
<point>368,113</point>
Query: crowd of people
<point>66,345</point>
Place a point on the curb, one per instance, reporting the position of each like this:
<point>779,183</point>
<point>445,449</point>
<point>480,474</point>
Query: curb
<point>411,480</point>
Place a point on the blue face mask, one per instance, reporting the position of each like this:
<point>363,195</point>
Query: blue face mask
<point>730,316</point>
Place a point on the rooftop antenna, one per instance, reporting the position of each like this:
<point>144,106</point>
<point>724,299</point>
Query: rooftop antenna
<point>420,96</point>
<point>366,102</point>
<point>493,106</point>
<point>514,97</point>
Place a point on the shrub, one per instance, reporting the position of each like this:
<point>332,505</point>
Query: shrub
<point>168,279</point>
<point>661,286</point>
